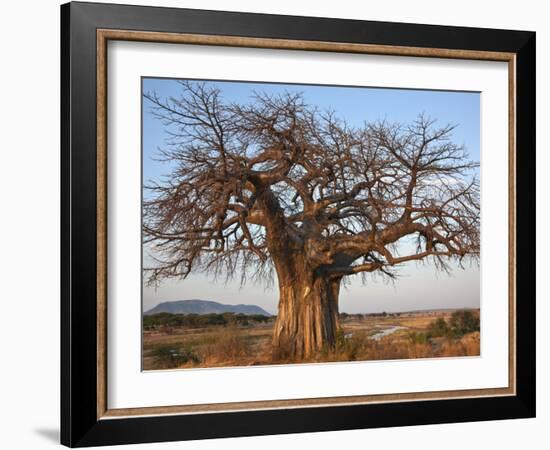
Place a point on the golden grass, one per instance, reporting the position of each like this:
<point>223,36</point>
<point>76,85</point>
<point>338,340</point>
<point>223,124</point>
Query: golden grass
<point>219,346</point>
<point>400,347</point>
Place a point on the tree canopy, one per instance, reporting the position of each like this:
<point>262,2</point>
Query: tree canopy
<point>250,182</point>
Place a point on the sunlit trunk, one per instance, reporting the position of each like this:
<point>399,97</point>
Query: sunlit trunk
<point>307,320</point>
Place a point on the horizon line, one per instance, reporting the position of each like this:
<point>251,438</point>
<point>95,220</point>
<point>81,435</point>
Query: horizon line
<point>446,308</point>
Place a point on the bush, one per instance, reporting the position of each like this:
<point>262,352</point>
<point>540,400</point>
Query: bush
<point>340,338</point>
<point>438,328</point>
<point>417,338</point>
<point>463,322</point>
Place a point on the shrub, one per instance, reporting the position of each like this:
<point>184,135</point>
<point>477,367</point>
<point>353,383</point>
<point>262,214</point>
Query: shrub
<point>417,338</point>
<point>463,322</point>
<point>340,338</point>
<point>438,328</point>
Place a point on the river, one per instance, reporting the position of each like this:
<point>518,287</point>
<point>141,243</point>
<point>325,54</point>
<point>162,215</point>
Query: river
<point>380,334</point>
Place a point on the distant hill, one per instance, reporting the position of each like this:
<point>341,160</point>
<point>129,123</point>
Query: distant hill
<point>204,307</point>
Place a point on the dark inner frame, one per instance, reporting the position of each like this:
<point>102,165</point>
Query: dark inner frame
<point>79,423</point>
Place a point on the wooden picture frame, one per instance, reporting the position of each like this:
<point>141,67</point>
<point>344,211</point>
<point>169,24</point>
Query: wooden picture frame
<point>86,418</point>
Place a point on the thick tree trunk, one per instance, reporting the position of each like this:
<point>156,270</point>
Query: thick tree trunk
<point>307,321</point>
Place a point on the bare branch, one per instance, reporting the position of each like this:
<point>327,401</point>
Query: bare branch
<point>252,184</point>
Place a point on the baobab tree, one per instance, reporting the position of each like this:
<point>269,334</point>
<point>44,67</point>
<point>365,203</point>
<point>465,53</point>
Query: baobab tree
<point>276,186</point>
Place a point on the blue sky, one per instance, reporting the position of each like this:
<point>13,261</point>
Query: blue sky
<point>356,105</point>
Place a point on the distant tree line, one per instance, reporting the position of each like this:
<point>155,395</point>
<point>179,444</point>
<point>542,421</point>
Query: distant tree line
<point>164,319</point>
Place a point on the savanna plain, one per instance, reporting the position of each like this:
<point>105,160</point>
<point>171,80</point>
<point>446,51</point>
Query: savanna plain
<point>183,341</point>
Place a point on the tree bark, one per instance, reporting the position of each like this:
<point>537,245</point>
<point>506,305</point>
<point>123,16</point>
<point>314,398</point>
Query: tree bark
<point>307,321</point>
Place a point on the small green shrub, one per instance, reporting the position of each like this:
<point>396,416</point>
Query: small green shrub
<point>463,322</point>
<point>416,337</point>
<point>438,328</point>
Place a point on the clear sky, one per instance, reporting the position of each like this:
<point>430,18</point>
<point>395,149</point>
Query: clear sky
<point>419,285</point>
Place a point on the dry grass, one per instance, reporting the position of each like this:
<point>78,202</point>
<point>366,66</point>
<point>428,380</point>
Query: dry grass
<point>219,346</point>
<point>358,348</point>
<point>214,347</point>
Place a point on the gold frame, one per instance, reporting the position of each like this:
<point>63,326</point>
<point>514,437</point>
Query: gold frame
<point>103,36</point>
